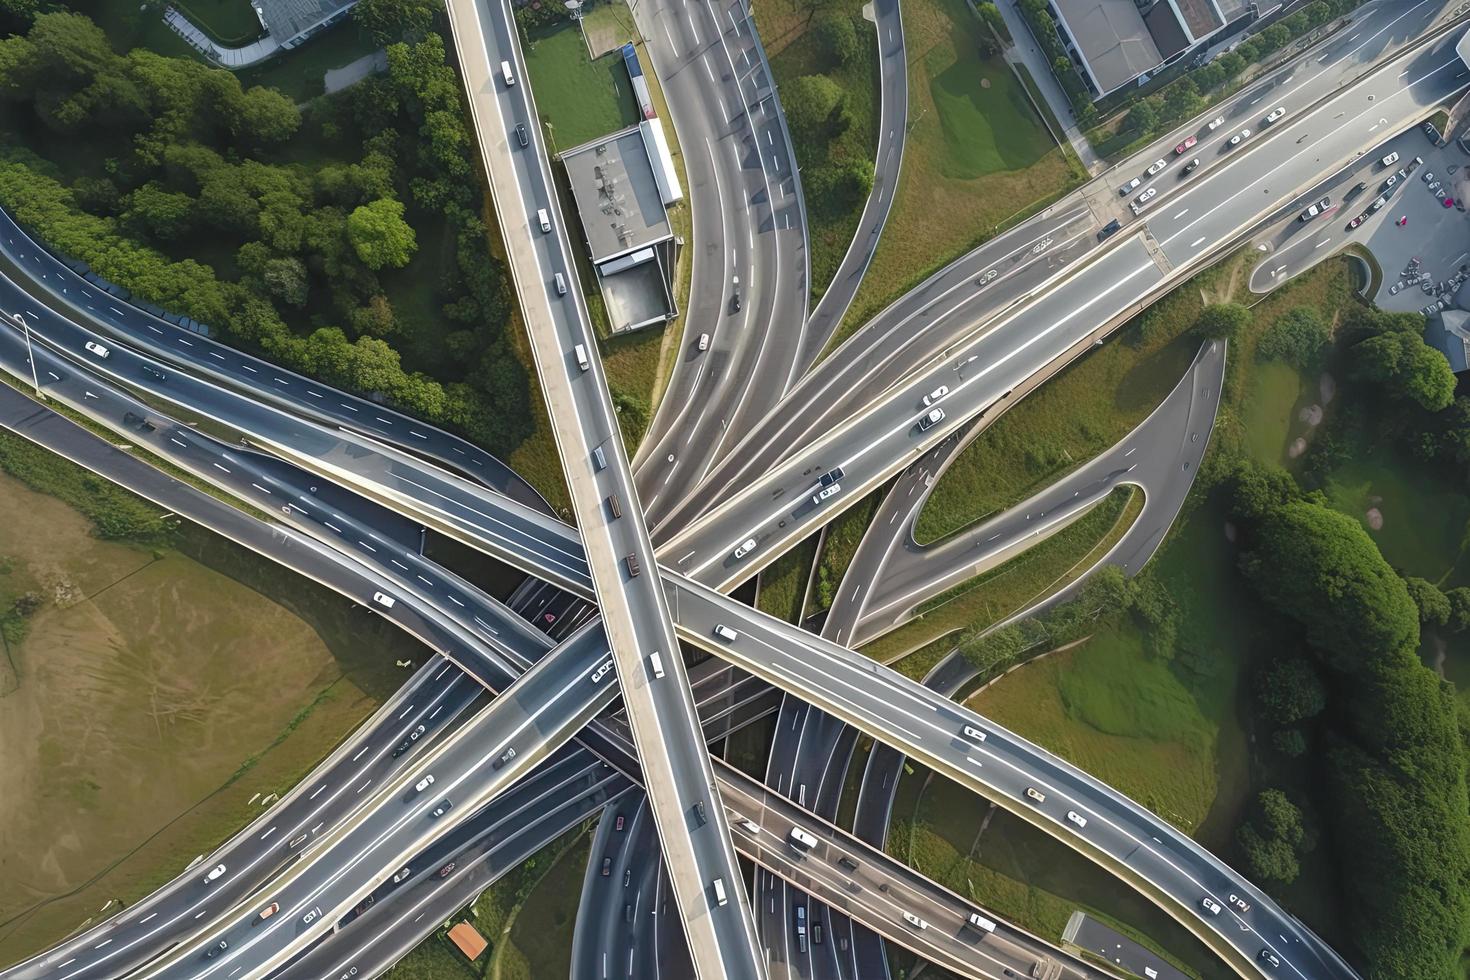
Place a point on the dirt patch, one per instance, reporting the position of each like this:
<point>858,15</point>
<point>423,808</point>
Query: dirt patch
<point>1328,387</point>
<point>1297,447</point>
<point>1374,517</point>
<point>1312,415</point>
<point>145,684</point>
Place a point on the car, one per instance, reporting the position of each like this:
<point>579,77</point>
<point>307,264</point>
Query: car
<point>1127,188</point>
<point>1189,167</point>
<point>704,341</point>
<point>831,476</point>
<point>444,872</point>
<point>1156,166</point>
<point>1210,905</point>
<point>817,933</point>
<point>505,757</point>
<point>847,863</point>
<point>627,877</point>
<point>1239,902</point>
<point>734,294</point>
<point>365,904</point>
<point>751,827</point>
<point>1188,142</point>
<point>1216,123</point>
<point>521,136</point>
<point>1419,162</point>
<point>1236,140</point>
<point>1394,289</point>
<point>216,949</point>
<point>269,911</point>
<point>699,812</point>
<point>1274,115</point>
<point>745,548</point>
<point>631,561</point>
<point>973,733</point>
<point>1108,229</point>
<point>606,866</point>
<point>384,600</point>
<point>444,807</point>
<point>1390,160</point>
<point>726,633</point>
<point>1392,179</point>
<point>95,348</point>
<point>1269,958</point>
<point>1427,176</point>
<point>1355,222</point>
<point>1143,200</point>
<point>915,921</point>
<point>215,873</point>
<point>1377,205</point>
<point>1035,795</point>
<point>826,492</point>
<point>1316,209</point>
<point>402,875</point>
<point>932,418</point>
<point>424,783</point>
<point>403,747</point>
<point>311,916</point>
<point>1077,818</point>
<point>620,823</point>
<point>935,395</point>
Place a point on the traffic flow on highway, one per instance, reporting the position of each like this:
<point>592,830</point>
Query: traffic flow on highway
<point>598,687</point>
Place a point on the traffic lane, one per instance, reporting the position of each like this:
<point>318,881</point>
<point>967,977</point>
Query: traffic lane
<point>527,718</point>
<point>976,376</point>
<point>941,311</point>
<point>435,697</point>
<point>1004,766</point>
<point>304,394</point>
<point>408,913</point>
<point>511,525</point>
<point>1302,151</point>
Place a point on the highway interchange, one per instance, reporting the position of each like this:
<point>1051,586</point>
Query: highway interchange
<point>349,496</point>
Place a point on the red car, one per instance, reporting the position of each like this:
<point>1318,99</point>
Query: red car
<point>619,824</point>
<point>1189,142</point>
<point>444,871</point>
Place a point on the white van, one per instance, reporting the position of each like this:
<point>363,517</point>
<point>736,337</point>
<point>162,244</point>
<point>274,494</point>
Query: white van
<point>656,661</point>
<point>802,839</point>
<point>972,732</point>
<point>915,921</point>
<point>386,601</point>
<point>543,219</point>
<point>719,886</point>
<point>507,74</point>
<point>561,284</point>
<point>581,351</point>
<point>980,922</point>
<point>726,633</point>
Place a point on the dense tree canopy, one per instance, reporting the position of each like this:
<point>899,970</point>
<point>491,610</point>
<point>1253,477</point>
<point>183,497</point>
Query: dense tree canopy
<point>1296,337</point>
<point>1404,366</point>
<point>1222,320</point>
<point>380,235</point>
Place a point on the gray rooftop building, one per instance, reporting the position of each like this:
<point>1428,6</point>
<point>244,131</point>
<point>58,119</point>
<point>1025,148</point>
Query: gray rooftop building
<point>626,225</point>
<point>1113,43</point>
<point>1449,333</point>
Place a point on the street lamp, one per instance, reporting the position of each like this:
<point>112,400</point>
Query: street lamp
<point>30,354</point>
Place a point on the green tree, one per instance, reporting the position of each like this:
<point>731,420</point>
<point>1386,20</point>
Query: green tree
<point>260,116</point>
<point>1290,742</point>
<point>812,102</point>
<point>380,235</point>
<point>286,280</point>
<point>1459,617</point>
<point>1296,337</point>
<point>1256,488</point>
<point>1405,367</point>
<point>1274,837</point>
<point>393,20</point>
<point>1222,321</point>
<point>1433,605</point>
<point>838,37</point>
<point>1320,567</point>
<point>162,214</point>
<point>1289,690</point>
<point>1143,117</point>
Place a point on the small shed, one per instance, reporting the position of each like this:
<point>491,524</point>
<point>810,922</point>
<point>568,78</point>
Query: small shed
<point>469,940</point>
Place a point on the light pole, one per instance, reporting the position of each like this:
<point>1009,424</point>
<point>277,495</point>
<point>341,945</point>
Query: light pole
<point>30,354</point>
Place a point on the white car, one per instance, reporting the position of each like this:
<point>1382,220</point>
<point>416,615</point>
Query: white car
<point>915,921</point>
<point>726,633</point>
<point>1240,903</point>
<point>1077,818</point>
<point>1392,179</point>
<point>1390,160</point>
<point>704,341</point>
<point>386,601</point>
<point>1275,114</point>
<point>1210,905</point>
<point>751,827</point>
<point>402,875</point>
<point>1427,176</point>
<point>935,395</point>
<point>933,418</point>
<point>746,547</point>
<point>95,348</point>
<point>826,492</point>
<point>1156,166</point>
<point>1035,795</point>
<point>214,873</point>
<point>973,733</point>
<point>1216,123</point>
<point>1244,134</point>
<point>1143,200</point>
<point>1127,188</point>
<point>424,783</point>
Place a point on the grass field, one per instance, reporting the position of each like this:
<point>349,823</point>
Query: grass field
<point>783,584</point>
<point>1007,866</point>
<point>977,155</point>
<point>1007,589</point>
<point>791,44</point>
<point>300,73</point>
<point>159,690</point>
<point>578,99</point>
<point>230,22</point>
<point>843,537</point>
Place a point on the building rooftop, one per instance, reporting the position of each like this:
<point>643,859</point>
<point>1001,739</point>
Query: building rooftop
<point>468,939</point>
<point>287,18</point>
<point>1200,17</point>
<point>1167,30</point>
<point>1451,335</point>
<point>1113,40</point>
<point>617,195</point>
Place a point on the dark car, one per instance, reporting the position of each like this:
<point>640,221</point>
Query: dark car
<point>1189,167</point>
<point>154,373</point>
<point>444,807</point>
<point>1108,229</point>
<point>216,949</point>
<point>699,811</point>
<point>627,877</point>
<point>521,136</point>
<point>847,863</point>
<point>832,476</point>
<point>505,757</point>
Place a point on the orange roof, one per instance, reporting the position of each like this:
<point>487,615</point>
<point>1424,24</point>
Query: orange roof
<point>469,941</point>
